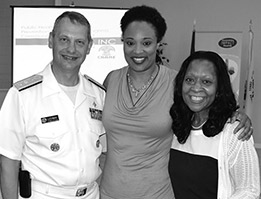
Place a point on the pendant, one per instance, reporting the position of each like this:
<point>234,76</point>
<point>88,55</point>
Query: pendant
<point>136,93</point>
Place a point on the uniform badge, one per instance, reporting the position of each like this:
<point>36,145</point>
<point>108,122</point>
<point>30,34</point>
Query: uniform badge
<point>48,119</point>
<point>96,114</point>
<point>55,147</point>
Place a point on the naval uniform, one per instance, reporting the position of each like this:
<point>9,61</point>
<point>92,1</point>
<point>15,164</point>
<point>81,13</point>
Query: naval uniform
<point>58,142</point>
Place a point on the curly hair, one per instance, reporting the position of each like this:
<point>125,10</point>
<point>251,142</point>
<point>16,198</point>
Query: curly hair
<point>147,14</point>
<point>220,110</point>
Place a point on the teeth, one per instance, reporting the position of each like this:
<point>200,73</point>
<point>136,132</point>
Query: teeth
<point>69,58</point>
<point>196,98</point>
<point>138,60</point>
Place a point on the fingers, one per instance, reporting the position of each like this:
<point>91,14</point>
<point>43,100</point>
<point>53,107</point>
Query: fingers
<point>239,126</point>
<point>244,122</point>
<point>246,133</point>
<point>244,125</point>
<point>242,118</point>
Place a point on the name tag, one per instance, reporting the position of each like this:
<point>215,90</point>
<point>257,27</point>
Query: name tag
<point>96,114</point>
<point>48,119</point>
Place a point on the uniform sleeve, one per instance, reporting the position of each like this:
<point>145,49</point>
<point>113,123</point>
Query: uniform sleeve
<point>244,169</point>
<point>12,130</point>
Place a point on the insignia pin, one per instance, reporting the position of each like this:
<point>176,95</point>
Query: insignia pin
<point>55,147</point>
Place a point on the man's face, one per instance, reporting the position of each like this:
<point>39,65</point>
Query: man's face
<point>70,45</point>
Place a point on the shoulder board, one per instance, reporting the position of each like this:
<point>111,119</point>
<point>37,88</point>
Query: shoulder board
<point>95,82</point>
<point>28,82</point>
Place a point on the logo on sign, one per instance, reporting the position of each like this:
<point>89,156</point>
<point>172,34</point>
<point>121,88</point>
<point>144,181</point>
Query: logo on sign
<point>227,42</point>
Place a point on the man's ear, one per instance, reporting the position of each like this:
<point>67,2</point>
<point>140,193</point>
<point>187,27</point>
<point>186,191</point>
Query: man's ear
<point>89,46</point>
<point>50,40</point>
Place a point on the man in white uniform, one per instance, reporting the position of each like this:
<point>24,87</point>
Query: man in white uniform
<point>50,123</point>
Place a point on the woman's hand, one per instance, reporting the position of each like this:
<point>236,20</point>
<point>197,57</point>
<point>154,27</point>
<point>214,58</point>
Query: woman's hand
<point>244,123</point>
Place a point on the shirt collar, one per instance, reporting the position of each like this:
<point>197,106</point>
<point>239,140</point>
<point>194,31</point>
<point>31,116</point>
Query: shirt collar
<point>51,86</point>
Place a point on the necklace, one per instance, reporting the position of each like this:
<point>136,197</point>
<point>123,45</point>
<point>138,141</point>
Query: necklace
<point>144,87</point>
<point>198,127</point>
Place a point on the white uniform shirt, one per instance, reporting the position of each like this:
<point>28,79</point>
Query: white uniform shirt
<point>57,141</point>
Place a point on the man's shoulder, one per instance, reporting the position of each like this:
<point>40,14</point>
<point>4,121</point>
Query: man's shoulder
<point>28,82</point>
<point>94,82</point>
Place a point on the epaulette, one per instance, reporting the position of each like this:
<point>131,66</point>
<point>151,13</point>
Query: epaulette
<point>28,82</point>
<point>95,82</point>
